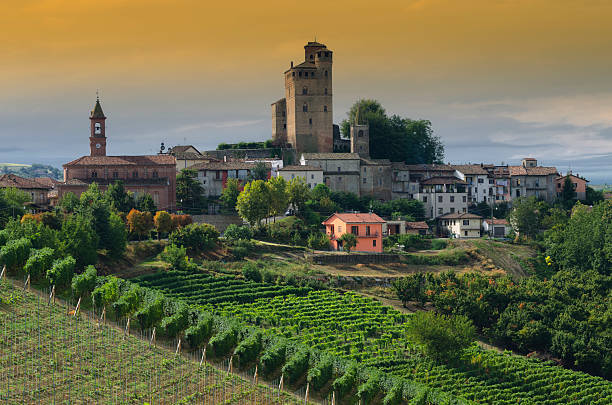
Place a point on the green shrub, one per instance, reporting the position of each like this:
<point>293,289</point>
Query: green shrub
<point>395,394</point>
<point>251,272</point>
<point>370,388</point>
<point>438,244</point>
<point>322,372</point>
<point>152,312</point>
<point>84,283</point>
<point>248,350</point>
<point>196,238</point>
<point>414,242</point>
<point>174,324</point>
<point>15,253</point>
<point>197,334</point>
<point>345,383</point>
<point>39,262</point>
<point>224,340</point>
<point>128,302</point>
<point>297,365</point>
<point>61,271</point>
<point>441,337</point>
<point>241,248</point>
<point>107,293</point>
<point>235,233</point>
<point>273,357</point>
<point>176,256</point>
<point>318,241</point>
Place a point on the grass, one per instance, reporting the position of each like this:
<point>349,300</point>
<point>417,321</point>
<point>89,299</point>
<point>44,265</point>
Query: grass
<point>47,356</point>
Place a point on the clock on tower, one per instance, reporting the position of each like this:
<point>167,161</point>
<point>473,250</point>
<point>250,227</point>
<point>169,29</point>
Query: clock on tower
<point>97,137</point>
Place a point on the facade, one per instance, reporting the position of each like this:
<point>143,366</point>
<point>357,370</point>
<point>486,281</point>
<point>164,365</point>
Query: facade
<point>531,180</point>
<point>401,227</point>
<point>501,177</point>
<point>341,171</point>
<point>187,156</point>
<point>38,191</point>
<point>401,186</point>
<point>480,185</point>
<point>213,175</point>
<point>312,175</point>
<point>496,228</point>
<point>366,227</point>
<point>442,195</point>
<point>153,174</point>
<point>418,228</point>
<point>580,185</point>
<point>462,225</point>
<point>303,120</point>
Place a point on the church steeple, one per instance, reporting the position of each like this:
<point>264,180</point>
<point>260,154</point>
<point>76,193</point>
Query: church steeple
<point>97,137</point>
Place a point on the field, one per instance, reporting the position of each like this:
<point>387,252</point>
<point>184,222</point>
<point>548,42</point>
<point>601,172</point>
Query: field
<point>47,356</point>
<point>362,330</point>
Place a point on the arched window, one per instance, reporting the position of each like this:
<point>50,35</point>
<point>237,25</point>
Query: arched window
<point>305,107</point>
<point>360,133</point>
<point>305,90</point>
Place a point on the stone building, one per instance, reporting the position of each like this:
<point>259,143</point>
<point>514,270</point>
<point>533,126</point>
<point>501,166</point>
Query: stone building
<point>579,184</point>
<point>442,195</point>
<point>312,175</point>
<point>213,175</point>
<point>37,190</point>
<point>341,171</point>
<point>480,184</point>
<point>531,180</point>
<point>303,120</point>
<point>460,225</point>
<point>153,174</point>
<point>187,156</point>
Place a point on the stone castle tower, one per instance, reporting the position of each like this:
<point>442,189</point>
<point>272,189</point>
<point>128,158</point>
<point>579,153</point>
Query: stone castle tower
<point>360,136</point>
<point>97,131</point>
<point>303,119</point>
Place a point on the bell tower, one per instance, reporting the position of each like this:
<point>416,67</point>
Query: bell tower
<point>97,131</point>
<point>360,136</point>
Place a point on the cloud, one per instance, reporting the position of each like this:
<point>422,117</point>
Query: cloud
<point>219,124</point>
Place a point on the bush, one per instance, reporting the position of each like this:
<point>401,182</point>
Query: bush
<point>368,390</point>
<point>322,372</point>
<point>251,272</point>
<point>107,293</point>
<point>176,257</point>
<point>241,249</point>
<point>235,233</point>
<point>345,383</point>
<point>414,242</point>
<point>248,350</point>
<point>128,302</point>
<point>61,272</point>
<point>39,262</point>
<point>153,310</point>
<point>441,337</point>
<point>318,241</point>
<point>84,283</point>
<point>438,244</point>
<point>273,357</point>
<point>195,238</point>
<point>174,324</point>
<point>297,365</point>
<point>222,342</point>
<point>197,334</point>
<point>15,253</point>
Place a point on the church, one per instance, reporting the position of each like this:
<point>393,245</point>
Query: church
<point>147,174</point>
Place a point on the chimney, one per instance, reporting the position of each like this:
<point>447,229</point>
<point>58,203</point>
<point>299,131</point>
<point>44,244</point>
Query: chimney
<point>291,63</point>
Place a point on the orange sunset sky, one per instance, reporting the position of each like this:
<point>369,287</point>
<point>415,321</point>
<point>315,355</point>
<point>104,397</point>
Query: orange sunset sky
<point>498,79</point>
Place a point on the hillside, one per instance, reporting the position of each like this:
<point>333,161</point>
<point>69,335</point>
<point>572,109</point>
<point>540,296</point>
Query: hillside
<point>30,171</point>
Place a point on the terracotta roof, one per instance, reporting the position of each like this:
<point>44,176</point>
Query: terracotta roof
<point>46,181</point>
<point>532,171</point>
<point>353,218</point>
<point>460,215</point>
<point>12,180</point>
<point>417,225</point>
<point>431,167</point>
<point>231,165</point>
<point>572,175</point>
<point>496,221</point>
<point>331,156</point>
<point>182,149</point>
<point>145,160</point>
<point>300,168</point>
<point>471,169</point>
<point>74,182</point>
<point>443,180</point>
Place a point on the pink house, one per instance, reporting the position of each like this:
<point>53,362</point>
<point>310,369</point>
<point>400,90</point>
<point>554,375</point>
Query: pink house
<point>367,228</point>
<point>578,182</point>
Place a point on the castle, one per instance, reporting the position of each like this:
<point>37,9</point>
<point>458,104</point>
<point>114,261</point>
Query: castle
<point>303,120</point>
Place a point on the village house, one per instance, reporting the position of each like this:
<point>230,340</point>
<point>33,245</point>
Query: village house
<point>531,180</point>
<point>213,176</point>
<point>460,225</point>
<point>480,185</point>
<point>312,175</point>
<point>401,227</point>
<point>579,183</point>
<point>187,156</point>
<point>366,227</point>
<point>340,170</point>
<point>37,191</point>
<point>442,195</point>
<point>496,228</point>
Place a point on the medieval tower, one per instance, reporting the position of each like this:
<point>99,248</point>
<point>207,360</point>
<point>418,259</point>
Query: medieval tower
<point>303,119</point>
<point>360,136</point>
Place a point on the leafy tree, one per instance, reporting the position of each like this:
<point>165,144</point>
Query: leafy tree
<point>229,195</point>
<point>349,241</point>
<point>278,196</point>
<point>39,262</point>
<point>196,238</point>
<point>107,293</point>
<point>179,221</point>
<point>396,138</point>
<point>39,234</point>
<point>299,193</point>
<point>152,312</point>
<point>500,210</point>
<point>441,337</point>
<point>525,217</point>
<point>259,172</point>
<point>15,253</point>
<point>198,333</point>
<point>79,240</point>
<point>163,222</point>
<point>593,196</point>
<point>11,204</point>
<point>318,241</point>
<point>119,198</point>
<point>251,272</point>
<point>482,208</point>
<point>61,272</point>
<point>411,288</point>
<point>176,256</point>
<point>117,235</point>
<point>234,233</point>
<point>69,203</point>
<point>174,324</point>
<point>139,222</point>
<point>145,203</point>
<point>96,208</point>
<point>84,283</point>
<point>568,193</point>
<point>253,202</point>
<point>129,302</point>
<point>189,191</point>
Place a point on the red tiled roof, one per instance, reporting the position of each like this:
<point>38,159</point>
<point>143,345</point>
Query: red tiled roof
<point>532,171</point>
<point>496,221</point>
<point>431,167</point>
<point>471,169</point>
<point>573,176</point>
<point>460,215</point>
<point>145,160</point>
<point>46,181</point>
<point>417,225</point>
<point>12,180</point>
<point>356,218</point>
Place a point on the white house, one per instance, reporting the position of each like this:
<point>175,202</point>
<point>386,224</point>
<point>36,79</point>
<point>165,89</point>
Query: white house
<point>313,175</point>
<point>460,225</point>
<point>497,228</point>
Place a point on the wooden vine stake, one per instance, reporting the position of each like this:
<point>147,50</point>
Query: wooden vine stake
<point>229,366</point>
<point>255,375</point>
<point>127,329</point>
<point>308,392</point>
<point>152,342</point>
<point>333,398</point>
<point>178,348</point>
<point>280,384</point>
<point>76,311</point>
<point>27,283</point>
<point>52,296</point>
<point>3,272</point>
<point>203,359</point>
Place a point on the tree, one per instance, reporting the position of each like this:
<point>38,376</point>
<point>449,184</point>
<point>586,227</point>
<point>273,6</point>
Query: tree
<point>259,172</point>
<point>176,256</point>
<point>39,262</point>
<point>139,223</point>
<point>279,196</point>
<point>15,253</point>
<point>298,193</point>
<point>568,193</point>
<point>107,293</point>
<point>163,223</point>
<point>61,272</point>
<point>229,195</point>
<point>85,283</point>
<point>179,221</point>
<point>441,337</point>
<point>145,203</point>
<point>11,204</point>
<point>235,233</point>
<point>500,210</point>
<point>189,191</point>
<point>69,203</point>
<point>396,138</point>
<point>593,196</point>
<point>196,238</point>
<point>482,209</point>
<point>117,235</point>
<point>253,202</point>
<point>79,240</point>
<point>524,217</point>
<point>97,209</point>
<point>118,198</point>
<point>349,241</point>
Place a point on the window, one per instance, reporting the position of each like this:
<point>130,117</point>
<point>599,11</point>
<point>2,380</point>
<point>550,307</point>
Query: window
<point>440,212</point>
<point>305,90</point>
<point>452,210</point>
<point>115,175</point>
<point>326,73</point>
<point>326,53</point>
<point>452,198</point>
<point>300,74</point>
<point>491,181</point>
<point>364,180</point>
<point>155,175</point>
<point>339,228</point>
<point>326,90</point>
<point>293,74</point>
<point>466,222</point>
<point>135,174</point>
<point>283,114</point>
<point>360,133</point>
<point>217,174</point>
<point>306,73</point>
<point>94,174</point>
<point>368,230</point>
<point>374,242</point>
<point>284,126</point>
<point>355,230</point>
<point>338,168</point>
<point>465,233</point>
<point>518,193</point>
<point>312,176</point>
<point>311,57</point>
<point>324,108</point>
<point>380,182</point>
<point>305,107</point>
<point>440,198</point>
<point>339,178</point>
<point>464,199</point>
<point>310,121</point>
<point>480,181</point>
<point>424,198</point>
<point>464,209</point>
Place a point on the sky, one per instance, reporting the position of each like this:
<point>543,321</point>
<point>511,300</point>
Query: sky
<point>498,79</point>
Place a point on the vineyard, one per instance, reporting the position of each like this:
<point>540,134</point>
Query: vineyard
<point>361,331</point>
<point>47,356</point>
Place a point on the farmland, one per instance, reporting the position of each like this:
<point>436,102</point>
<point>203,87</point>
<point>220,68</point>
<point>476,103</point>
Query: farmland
<point>50,357</point>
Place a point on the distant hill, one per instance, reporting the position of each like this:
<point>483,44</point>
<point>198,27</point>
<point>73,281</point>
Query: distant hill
<point>33,170</point>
